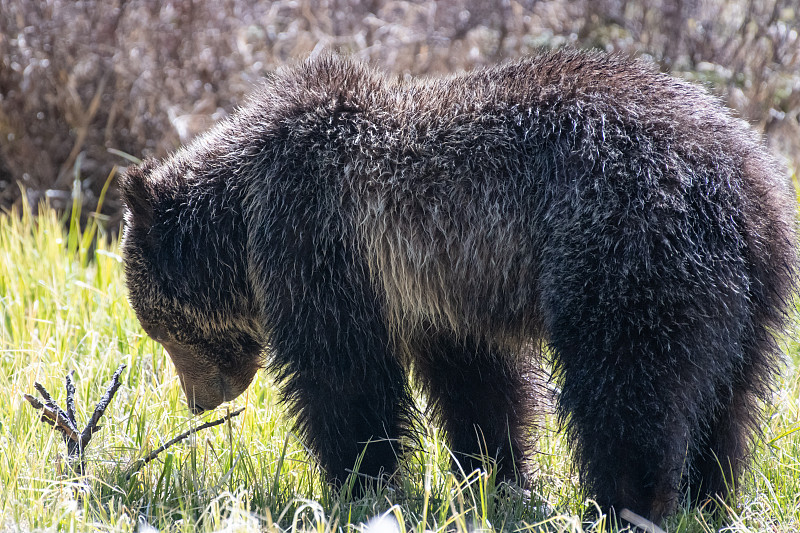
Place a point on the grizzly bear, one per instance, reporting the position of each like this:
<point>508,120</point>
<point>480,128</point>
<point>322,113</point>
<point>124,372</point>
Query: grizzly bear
<point>348,229</point>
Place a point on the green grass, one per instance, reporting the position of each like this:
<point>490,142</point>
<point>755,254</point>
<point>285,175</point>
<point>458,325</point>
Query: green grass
<point>64,308</point>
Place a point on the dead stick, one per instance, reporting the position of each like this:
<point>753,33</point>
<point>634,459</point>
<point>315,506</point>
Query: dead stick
<point>52,417</point>
<point>640,522</point>
<point>152,455</point>
<point>65,420</point>
<point>101,407</point>
<point>70,387</point>
<point>55,413</point>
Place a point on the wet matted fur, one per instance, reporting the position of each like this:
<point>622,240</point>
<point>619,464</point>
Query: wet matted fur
<point>355,228</point>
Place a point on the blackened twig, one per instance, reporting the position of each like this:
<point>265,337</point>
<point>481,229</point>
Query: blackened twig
<point>152,455</point>
<point>52,417</point>
<point>58,416</point>
<point>65,421</point>
<point>101,407</point>
<point>70,386</point>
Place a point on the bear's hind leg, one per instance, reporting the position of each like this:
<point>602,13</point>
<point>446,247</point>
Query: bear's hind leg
<point>641,367</point>
<point>482,397</point>
<point>722,455</point>
<point>718,462</point>
<point>645,308</point>
<point>637,399</point>
<point>629,436</point>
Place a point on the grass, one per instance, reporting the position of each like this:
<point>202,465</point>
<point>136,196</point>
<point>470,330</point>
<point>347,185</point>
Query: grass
<point>64,308</point>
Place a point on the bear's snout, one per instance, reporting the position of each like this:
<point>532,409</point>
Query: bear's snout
<point>205,394</point>
<point>204,384</point>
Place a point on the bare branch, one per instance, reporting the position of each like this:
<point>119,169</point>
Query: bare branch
<point>152,455</point>
<point>101,407</point>
<point>57,415</point>
<point>65,421</point>
<point>70,386</point>
<point>56,418</point>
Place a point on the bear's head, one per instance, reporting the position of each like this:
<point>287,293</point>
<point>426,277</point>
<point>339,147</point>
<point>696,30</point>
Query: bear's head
<point>185,266</point>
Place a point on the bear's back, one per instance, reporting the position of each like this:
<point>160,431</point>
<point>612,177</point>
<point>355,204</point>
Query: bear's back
<point>450,183</point>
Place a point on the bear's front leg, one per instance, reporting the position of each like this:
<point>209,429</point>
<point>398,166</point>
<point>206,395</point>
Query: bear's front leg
<point>350,415</point>
<point>331,354</point>
<point>348,392</point>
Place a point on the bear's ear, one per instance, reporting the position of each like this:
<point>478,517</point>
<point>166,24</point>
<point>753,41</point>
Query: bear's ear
<point>137,194</point>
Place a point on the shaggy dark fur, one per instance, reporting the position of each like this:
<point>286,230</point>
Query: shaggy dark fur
<point>358,229</point>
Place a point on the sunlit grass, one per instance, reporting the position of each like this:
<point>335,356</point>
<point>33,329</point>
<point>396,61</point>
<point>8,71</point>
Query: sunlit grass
<point>64,308</point>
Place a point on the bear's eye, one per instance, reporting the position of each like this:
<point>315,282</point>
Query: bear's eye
<point>156,332</point>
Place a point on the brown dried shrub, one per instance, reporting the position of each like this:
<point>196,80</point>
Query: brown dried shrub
<point>78,78</point>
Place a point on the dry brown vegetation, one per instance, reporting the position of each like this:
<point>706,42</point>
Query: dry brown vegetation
<point>78,78</point>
